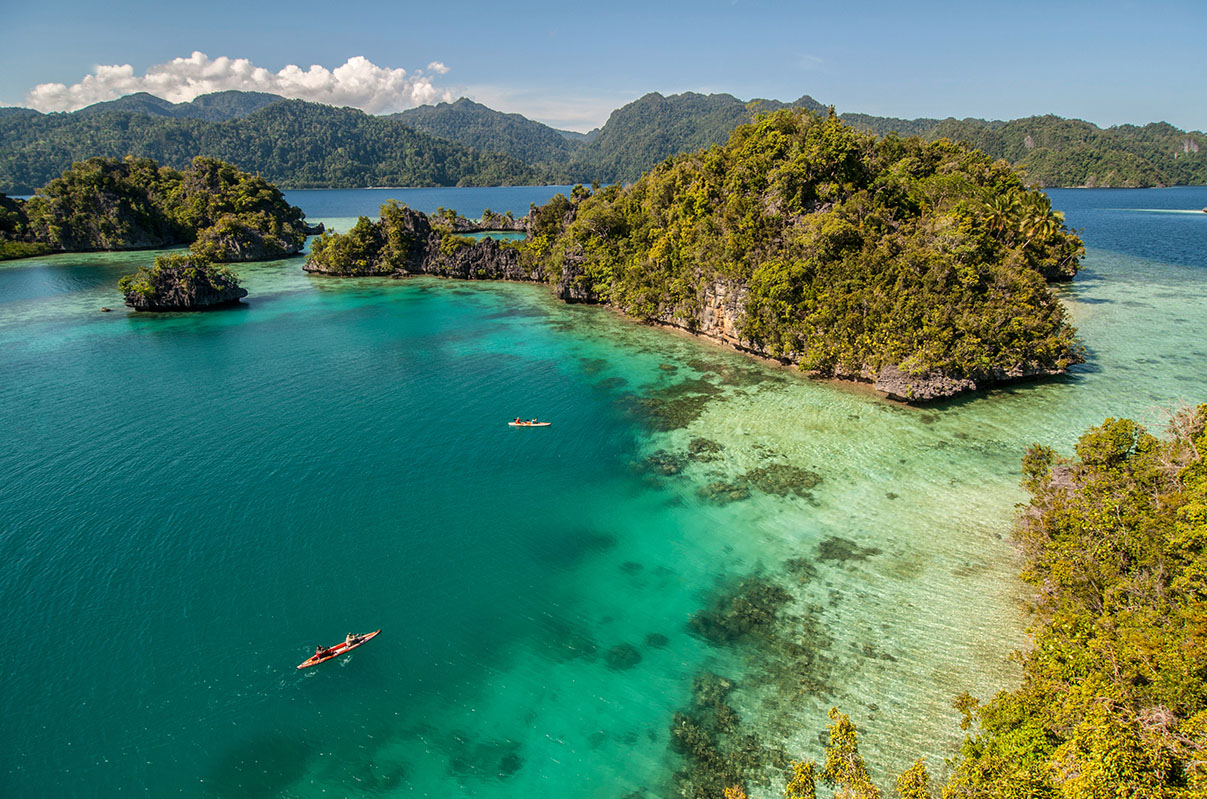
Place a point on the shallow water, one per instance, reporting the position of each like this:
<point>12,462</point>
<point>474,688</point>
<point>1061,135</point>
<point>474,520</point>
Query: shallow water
<point>193,501</point>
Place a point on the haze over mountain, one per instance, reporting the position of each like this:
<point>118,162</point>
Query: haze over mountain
<point>300,144</point>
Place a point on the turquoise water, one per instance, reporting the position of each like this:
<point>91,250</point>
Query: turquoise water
<point>193,501</point>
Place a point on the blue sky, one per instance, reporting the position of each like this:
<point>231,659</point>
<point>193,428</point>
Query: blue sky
<point>570,64</point>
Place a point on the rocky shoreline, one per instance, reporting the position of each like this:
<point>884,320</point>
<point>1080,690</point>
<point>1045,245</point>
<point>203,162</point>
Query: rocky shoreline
<point>181,283</point>
<point>438,250</point>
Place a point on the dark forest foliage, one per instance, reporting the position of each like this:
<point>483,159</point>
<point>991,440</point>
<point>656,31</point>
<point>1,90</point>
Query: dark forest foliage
<point>487,130</point>
<point>852,253</point>
<point>291,143</point>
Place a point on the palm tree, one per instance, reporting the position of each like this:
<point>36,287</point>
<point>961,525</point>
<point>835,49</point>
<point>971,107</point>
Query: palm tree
<point>1039,221</point>
<point>1001,213</point>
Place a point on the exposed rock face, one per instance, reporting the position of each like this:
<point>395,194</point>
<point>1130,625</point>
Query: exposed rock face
<point>574,286</point>
<point>722,304</point>
<point>482,260</point>
<point>904,387</point>
<point>183,288</point>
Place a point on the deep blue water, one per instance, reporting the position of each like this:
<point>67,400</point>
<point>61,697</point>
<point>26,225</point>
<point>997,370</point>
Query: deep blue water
<point>1165,225</point>
<point>470,202</point>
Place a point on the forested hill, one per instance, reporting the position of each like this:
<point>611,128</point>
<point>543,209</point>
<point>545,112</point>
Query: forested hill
<point>299,144</point>
<point>1069,152</point>
<point>475,125</point>
<point>293,143</point>
<point>653,128</point>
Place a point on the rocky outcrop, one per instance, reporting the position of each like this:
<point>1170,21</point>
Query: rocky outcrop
<point>177,284</point>
<point>405,242</point>
<point>574,285</point>
<point>483,260</point>
<point>899,385</point>
<point>904,387</point>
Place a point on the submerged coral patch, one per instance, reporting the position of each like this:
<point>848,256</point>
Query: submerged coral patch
<point>703,450</point>
<point>747,609</point>
<point>622,657</point>
<point>838,549</point>
<point>676,406</point>
<point>656,641</point>
<point>783,480</point>
<point>723,493</point>
<point>665,463</point>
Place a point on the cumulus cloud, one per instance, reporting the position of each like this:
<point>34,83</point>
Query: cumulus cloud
<point>359,83</point>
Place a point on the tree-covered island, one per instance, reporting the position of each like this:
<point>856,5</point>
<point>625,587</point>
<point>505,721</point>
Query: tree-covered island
<point>922,267</point>
<point>226,214</point>
<point>223,213</point>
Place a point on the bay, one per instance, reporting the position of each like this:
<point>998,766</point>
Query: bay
<point>191,502</point>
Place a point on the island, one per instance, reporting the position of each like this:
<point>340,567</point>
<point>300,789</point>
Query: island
<point>181,282</point>
<point>225,214</point>
<point>920,267</point>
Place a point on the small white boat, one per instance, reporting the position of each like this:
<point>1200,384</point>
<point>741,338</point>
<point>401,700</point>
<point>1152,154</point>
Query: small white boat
<point>528,423</point>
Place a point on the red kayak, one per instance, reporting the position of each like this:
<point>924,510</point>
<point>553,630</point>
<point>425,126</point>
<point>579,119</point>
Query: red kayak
<point>343,647</point>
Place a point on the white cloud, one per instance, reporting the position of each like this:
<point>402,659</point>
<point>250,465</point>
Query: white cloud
<point>359,83</point>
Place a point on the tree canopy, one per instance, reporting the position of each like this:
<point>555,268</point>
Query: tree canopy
<point>848,254</point>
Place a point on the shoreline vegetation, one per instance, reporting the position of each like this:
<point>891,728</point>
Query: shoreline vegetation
<point>299,145</point>
<point>1113,700</point>
<point>921,268</point>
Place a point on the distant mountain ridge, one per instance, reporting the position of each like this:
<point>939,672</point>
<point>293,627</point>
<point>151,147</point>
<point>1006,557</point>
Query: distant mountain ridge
<point>216,107</point>
<point>308,145</point>
<point>475,125</point>
<point>292,143</point>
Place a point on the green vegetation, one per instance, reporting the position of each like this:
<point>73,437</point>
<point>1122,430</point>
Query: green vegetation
<point>1069,152</point>
<point>291,143</point>
<point>106,204</point>
<point>487,130</point>
<point>852,254</point>
<point>383,247</point>
<point>1113,701</point>
<point>1114,695</point>
<point>180,281</point>
<point>304,145</point>
<point>14,231</point>
<point>654,127</point>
